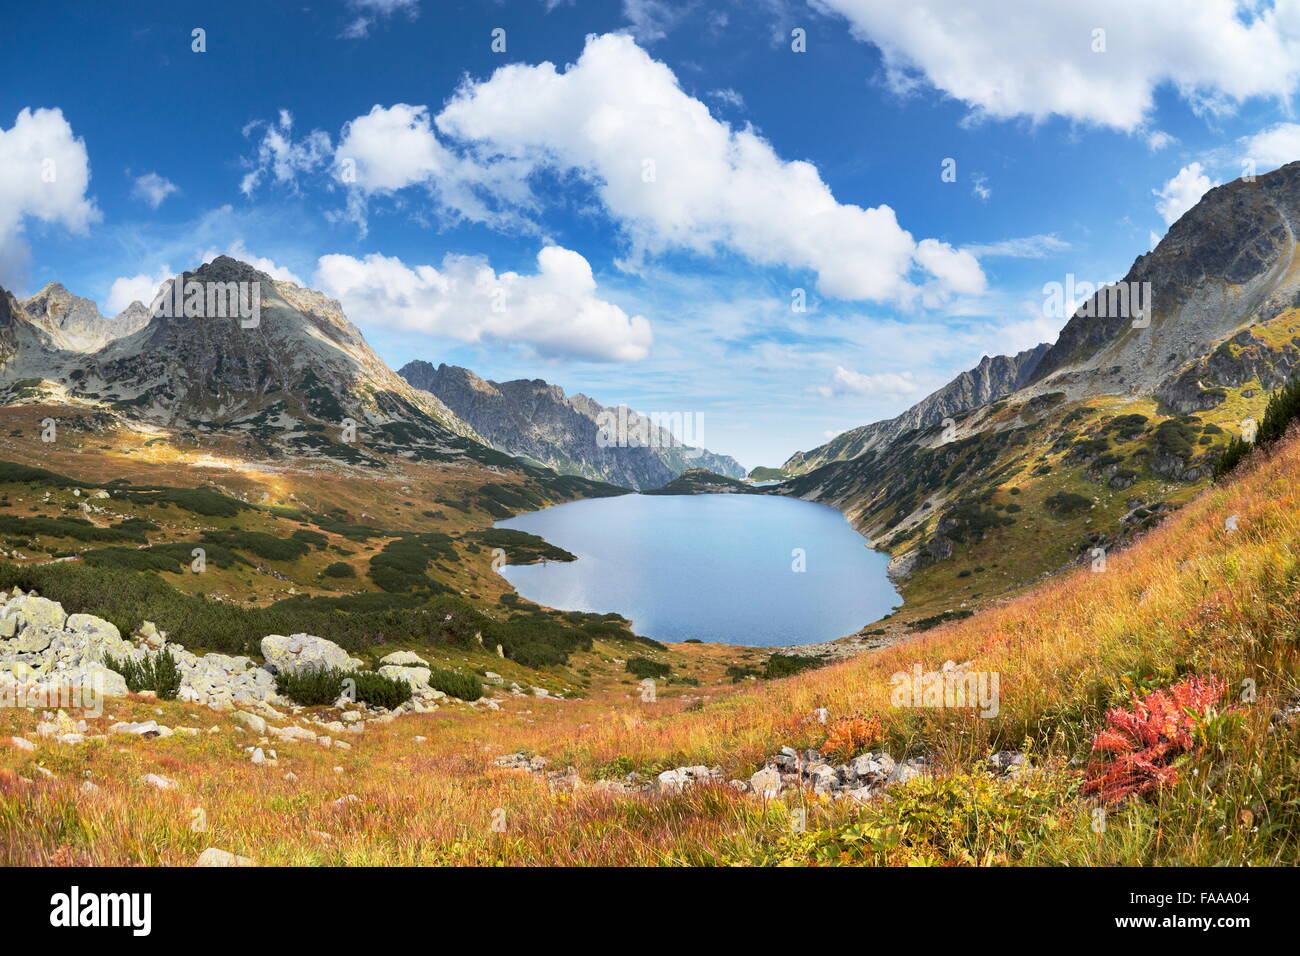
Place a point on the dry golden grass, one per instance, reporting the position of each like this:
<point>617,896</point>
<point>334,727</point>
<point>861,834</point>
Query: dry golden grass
<point>1192,596</point>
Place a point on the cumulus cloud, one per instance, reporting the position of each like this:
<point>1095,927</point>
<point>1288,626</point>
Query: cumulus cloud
<point>876,384</point>
<point>675,178</point>
<point>1182,192</point>
<point>1274,147</point>
<point>44,174</point>
<point>555,312</point>
<point>1037,59</point>
<point>152,189</point>
<point>138,288</point>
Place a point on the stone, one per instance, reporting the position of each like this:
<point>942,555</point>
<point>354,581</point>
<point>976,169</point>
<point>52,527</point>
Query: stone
<point>145,728</point>
<point>299,652</point>
<point>417,677</point>
<point>766,783</point>
<point>215,857</point>
<point>22,743</point>
<point>404,659</point>
<point>158,781</point>
<point>250,722</point>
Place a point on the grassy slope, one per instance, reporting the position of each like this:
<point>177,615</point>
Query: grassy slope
<point>1189,597</point>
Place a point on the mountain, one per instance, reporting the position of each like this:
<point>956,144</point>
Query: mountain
<point>299,379</point>
<point>536,420</point>
<point>1059,454</point>
<point>75,324</point>
<point>992,378</point>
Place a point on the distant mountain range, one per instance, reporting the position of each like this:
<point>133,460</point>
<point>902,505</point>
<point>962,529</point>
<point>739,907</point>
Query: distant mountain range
<point>302,381</point>
<point>536,420</point>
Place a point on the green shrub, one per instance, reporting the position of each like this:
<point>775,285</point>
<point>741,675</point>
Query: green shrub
<point>340,569</point>
<point>324,685</point>
<point>643,667</point>
<point>157,672</point>
<point>380,691</point>
<point>264,545</point>
<point>1282,409</point>
<point>454,684</point>
<point>1065,503</point>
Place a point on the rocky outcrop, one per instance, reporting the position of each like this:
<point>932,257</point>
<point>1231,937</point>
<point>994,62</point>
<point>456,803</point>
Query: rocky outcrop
<point>302,652</point>
<point>75,324</point>
<point>535,420</point>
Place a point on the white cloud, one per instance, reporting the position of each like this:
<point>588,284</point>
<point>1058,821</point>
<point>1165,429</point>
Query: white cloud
<point>152,188</point>
<point>391,148</point>
<point>1182,192</point>
<point>555,312</point>
<point>1026,247</point>
<point>1274,147</point>
<point>676,178</point>
<point>44,174</point>
<point>848,382</point>
<point>1158,140</point>
<point>650,20</point>
<point>279,157</point>
<point>139,288</point>
<point>371,11</point>
<point>1036,59</point>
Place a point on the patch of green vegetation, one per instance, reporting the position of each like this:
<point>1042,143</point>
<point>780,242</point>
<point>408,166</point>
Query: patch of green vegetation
<point>402,564</point>
<point>934,620</point>
<point>156,672</point>
<point>1283,408</point>
<point>312,538</point>
<point>200,501</point>
<point>643,667</point>
<point>455,684</point>
<point>259,543</point>
<point>77,528</point>
<point>1066,503</point>
<point>778,665</point>
<point>339,569</point>
<point>520,547</point>
<point>323,686</point>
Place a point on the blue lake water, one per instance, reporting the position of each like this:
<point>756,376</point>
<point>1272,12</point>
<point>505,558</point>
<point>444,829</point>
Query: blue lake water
<point>714,567</point>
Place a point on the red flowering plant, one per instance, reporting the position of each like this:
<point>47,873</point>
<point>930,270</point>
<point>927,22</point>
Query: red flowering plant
<point>1139,745</point>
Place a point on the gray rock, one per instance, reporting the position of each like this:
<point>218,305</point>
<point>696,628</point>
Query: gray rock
<point>299,652</point>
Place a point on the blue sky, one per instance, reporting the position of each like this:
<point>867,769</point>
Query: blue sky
<point>627,198</point>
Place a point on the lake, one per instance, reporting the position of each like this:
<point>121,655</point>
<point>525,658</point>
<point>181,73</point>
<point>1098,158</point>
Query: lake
<point>719,568</point>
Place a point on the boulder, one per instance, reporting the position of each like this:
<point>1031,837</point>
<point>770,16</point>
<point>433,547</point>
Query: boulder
<point>417,677</point>
<point>766,783</point>
<point>404,659</point>
<point>300,652</point>
<point>250,722</point>
<point>214,857</point>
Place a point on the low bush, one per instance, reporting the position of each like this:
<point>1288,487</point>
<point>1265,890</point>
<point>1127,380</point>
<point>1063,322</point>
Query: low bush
<point>156,672</point>
<point>454,684</point>
<point>643,667</point>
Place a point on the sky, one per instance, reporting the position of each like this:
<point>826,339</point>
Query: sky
<point>783,218</point>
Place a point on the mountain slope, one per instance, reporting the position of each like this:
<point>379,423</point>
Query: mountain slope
<point>991,379</point>
<point>1113,426</point>
<point>536,420</point>
<point>301,381</point>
